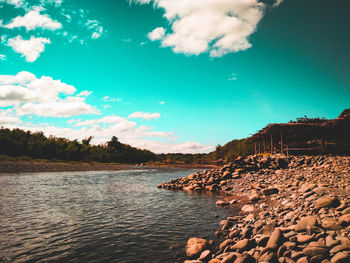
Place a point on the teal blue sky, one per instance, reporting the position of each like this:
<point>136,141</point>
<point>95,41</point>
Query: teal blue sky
<point>298,64</point>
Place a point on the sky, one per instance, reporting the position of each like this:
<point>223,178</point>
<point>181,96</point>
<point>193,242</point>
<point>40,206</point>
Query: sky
<point>171,75</point>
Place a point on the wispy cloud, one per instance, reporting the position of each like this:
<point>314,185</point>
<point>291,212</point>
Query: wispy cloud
<point>144,115</point>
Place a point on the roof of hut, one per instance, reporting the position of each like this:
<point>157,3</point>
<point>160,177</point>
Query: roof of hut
<point>295,130</point>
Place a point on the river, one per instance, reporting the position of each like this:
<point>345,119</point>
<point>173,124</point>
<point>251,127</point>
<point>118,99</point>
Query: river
<point>101,216</point>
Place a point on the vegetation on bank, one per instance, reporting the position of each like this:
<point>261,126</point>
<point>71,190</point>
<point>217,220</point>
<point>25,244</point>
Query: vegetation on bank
<point>25,144</point>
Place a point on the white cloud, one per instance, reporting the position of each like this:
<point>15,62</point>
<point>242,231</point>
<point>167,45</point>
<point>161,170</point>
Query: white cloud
<point>162,102</point>
<point>32,20</point>
<point>144,115</point>
<point>31,48</point>
<point>215,26</point>
<point>84,93</point>
<point>7,117</point>
<point>157,34</point>
<point>16,3</point>
<point>29,95</point>
<point>277,3</point>
<point>95,27</point>
<point>110,99</point>
<point>2,57</point>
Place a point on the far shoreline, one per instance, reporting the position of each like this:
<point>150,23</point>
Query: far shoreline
<point>40,166</point>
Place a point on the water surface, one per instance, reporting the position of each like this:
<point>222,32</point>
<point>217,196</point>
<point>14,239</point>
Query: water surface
<point>100,216</point>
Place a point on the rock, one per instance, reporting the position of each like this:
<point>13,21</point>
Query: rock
<point>339,248</point>
<point>267,229</point>
<point>206,255</point>
<point>331,225</point>
<point>249,218</point>
<point>305,223</point>
<point>317,259</point>
<point>304,238</point>
<point>344,220</point>
<point>341,257</point>
<point>245,258</point>
<point>327,202</point>
<point>313,251</point>
<point>230,258</point>
<point>222,203</point>
<point>244,245</point>
<point>248,209</point>
<point>276,239</point>
<point>254,197</point>
<point>269,191</point>
<point>195,246</point>
<point>303,260</point>
<point>268,257</point>
<point>346,211</point>
<point>306,187</point>
<point>224,244</point>
<point>330,242</point>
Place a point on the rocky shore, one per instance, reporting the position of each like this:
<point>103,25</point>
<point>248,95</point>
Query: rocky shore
<point>293,209</point>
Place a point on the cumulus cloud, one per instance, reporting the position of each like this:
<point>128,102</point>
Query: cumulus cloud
<point>31,48</point>
<point>157,34</point>
<point>29,95</point>
<point>32,20</point>
<point>215,26</point>
<point>144,115</point>
<point>2,57</point>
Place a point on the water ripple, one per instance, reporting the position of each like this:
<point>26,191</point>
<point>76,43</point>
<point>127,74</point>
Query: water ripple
<point>100,217</point>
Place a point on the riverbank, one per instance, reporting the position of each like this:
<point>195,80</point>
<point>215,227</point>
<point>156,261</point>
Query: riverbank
<point>33,166</point>
<point>296,209</point>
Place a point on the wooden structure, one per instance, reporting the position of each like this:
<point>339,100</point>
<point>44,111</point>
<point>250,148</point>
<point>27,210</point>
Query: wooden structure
<point>328,136</point>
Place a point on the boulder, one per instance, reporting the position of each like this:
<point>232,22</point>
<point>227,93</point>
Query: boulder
<point>195,246</point>
<point>305,223</point>
<point>270,191</point>
<point>327,202</point>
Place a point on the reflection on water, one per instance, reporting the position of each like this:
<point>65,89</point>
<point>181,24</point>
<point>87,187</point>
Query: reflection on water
<point>100,217</point>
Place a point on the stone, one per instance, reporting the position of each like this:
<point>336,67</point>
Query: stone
<point>341,257</point>
<point>269,191</point>
<point>249,218</point>
<point>195,246</point>
<point>222,203</point>
<point>248,209</point>
<point>344,219</point>
<point>267,229</point>
<point>206,255</point>
<point>268,257</point>
<point>304,238</point>
<point>303,260</point>
<point>224,244</point>
<point>230,258</point>
<point>331,225</point>
<point>305,223</point>
<point>330,242</point>
<point>306,187</point>
<point>245,258</point>
<point>244,245</point>
<point>276,239</point>
<point>327,202</point>
<point>339,248</point>
<point>313,251</point>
